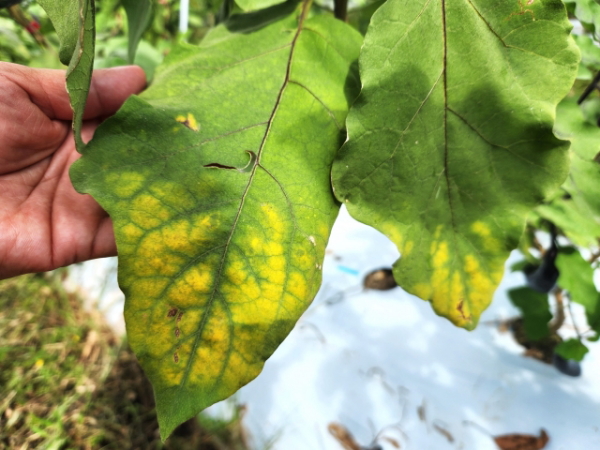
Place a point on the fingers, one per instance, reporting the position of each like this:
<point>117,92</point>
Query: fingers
<point>111,87</point>
<point>46,89</point>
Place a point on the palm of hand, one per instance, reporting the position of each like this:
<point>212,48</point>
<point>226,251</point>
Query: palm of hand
<point>44,223</point>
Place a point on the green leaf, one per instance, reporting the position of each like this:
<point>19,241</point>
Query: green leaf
<point>590,52</point>
<point>578,214</point>
<point>217,179</point>
<point>254,5</point>
<point>587,11</point>
<point>577,277</point>
<point>64,15</point>
<point>139,13</point>
<point>571,349</point>
<point>534,309</point>
<point>573,218</point>
<point>450,142</point>
<point>79,73</point>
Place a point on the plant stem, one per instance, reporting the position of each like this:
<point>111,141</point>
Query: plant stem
<point>588,90</point>
<point>559,317</point>
<point>340,9</point>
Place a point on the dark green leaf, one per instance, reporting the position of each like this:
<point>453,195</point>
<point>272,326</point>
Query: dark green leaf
<point>577,277</point>
<point>139,13</point>
<point>535,311</point>
<point>571,349</point>
<point>64,15</point>
<point>450,142</point>
<point>79,73</point>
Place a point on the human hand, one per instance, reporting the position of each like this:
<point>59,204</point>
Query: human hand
<point>44,222</point>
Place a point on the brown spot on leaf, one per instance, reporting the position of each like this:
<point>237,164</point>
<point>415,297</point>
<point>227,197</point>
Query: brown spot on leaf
<point>179,316</point>
<point>175,357</point>
<point>460,308</point>
<point>172,312</point>
<point>522,441</point>
<point>177,332</point>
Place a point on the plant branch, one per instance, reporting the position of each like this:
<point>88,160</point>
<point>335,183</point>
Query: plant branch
<point>588,90</point>
<point>559,317</point>
<point>595,255</point>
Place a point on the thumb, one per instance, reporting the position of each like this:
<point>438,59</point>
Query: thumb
<point>47,89</point>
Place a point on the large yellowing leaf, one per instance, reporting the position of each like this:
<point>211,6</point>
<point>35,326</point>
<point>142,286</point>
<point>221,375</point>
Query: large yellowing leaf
<point>217,179</point>
<point>450,142</point>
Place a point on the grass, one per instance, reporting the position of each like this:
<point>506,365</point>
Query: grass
<point>67,382</point>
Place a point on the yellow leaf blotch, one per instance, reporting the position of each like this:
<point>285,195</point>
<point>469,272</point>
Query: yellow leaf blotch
<point>256,246</point>
<point>458,293</point>
<point>203,228</point>
<point>126,184</point>
<point>482,284</point>
<point>274,269</point>
<point>148,212</point>
<point>175,236</point>
<point>161,328</point>
<point>273,221</point>
<point>172,194</point>
<point>236,272</point>
<point>190,289</point>
<point>439,251</point>
<point>131,232</point>
<point>407,249</point>
<point>392,232</point>
<point>187,320</point>
<point>153,257</point>
<point>215,343</point>
<point>489,243</point>
<point>239,370</point>
<point>172,374</point>
<point>146,290</point>
<point>272,292</point>
<point>251,289</point>
<point>189,121</point>
<point>297,286</point>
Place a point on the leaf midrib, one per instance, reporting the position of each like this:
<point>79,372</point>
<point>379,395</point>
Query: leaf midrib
<point>206,314</point>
